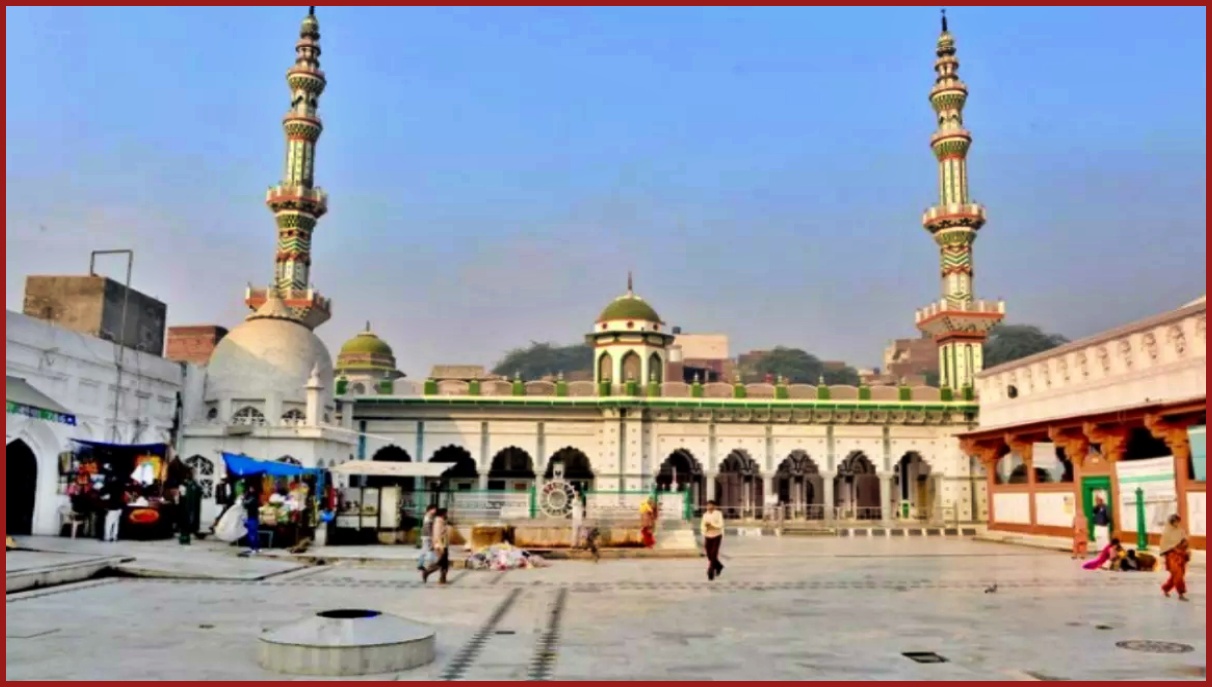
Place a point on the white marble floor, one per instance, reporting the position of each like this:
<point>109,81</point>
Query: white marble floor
<point>789,609</point>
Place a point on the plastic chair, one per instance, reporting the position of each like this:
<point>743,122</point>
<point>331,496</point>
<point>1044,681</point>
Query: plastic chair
<point>70,518</point>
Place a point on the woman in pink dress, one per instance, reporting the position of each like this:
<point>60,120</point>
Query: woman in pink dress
<point>1104,556</point>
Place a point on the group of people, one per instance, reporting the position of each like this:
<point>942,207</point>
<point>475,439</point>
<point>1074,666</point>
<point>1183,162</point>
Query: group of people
<point>1174,549</point>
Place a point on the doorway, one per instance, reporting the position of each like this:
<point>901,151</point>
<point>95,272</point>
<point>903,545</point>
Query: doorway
<point>1092,487</point>
<point>20,487</point>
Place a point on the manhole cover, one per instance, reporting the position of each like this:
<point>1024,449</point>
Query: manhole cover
<point>924,657</point>
<point>1151,647</point>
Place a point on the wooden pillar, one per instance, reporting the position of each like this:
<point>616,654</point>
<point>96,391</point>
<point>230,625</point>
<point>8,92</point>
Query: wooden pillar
<point>1179,442</point>
<point>987,452</point>
<point>1112,443</point>
<point>1026,450</point>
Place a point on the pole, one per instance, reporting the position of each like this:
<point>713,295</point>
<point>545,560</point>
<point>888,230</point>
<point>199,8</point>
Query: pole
<point>1142,536</point>
<point>121,338</point>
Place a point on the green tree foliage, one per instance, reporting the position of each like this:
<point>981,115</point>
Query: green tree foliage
<point>545,358</point>
<point>797,366</point>
<point>1009,342</point>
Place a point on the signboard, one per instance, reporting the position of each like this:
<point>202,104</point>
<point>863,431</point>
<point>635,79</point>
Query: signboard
<point>1155,477</point>
<point>1199,452</point>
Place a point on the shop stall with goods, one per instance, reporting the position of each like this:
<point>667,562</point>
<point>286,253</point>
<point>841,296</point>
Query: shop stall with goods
<point>381,503</point>
<point>284,496</point>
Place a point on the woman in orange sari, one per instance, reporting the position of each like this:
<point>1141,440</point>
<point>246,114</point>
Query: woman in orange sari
<point>648,522</point>
<point>1081,536</point>
<point>1176,553</point>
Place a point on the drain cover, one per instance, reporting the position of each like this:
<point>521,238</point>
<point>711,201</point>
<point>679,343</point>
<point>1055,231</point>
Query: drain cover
<point>1151,647</point>
<point>924,657</point>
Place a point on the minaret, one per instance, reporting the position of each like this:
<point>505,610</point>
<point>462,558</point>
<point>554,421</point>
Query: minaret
<point>297,203</point>
<point>959,323</point>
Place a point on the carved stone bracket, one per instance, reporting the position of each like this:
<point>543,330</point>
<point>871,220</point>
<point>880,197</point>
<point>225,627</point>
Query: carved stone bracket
<point>1074,443</point>
<point>1022,447</point>
<point>1174,434</point>
<point>1112,441</point>
<point>986,451</point>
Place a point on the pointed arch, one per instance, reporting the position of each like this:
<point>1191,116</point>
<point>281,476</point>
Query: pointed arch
<point>656,369</point>
<point>856,488</point>
<point>799,485</point>
<point>511,469</point>
<point>632,367</point>
<point>605,367</point>
<point>248,415</point>
<point>20,487</point>
<point>393,454</point>
<point>464,463</point>
<point>681,471</point>
<point>578,470</point>
<point>738,487</point>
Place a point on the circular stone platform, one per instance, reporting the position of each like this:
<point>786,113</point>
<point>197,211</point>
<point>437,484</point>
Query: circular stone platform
<point>347,642</point>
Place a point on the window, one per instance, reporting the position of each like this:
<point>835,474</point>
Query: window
<point>248,415</point>
<point>294,416</point>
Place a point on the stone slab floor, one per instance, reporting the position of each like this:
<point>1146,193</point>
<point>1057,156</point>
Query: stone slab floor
<point>786,609</point>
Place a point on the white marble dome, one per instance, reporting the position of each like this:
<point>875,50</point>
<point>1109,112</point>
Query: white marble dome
<point>267,356</point>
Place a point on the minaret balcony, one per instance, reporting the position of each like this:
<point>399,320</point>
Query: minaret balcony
<point>949,134</point>
<point>297,197</point>
<point>971,215</point>
<point>307,306</point>
<point>978,309</point>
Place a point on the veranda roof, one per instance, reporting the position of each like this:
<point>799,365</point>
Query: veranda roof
<point>383,468</point>
<point>21,398</point>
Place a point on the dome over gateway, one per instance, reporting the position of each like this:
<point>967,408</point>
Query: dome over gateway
<point>365,343</point>
<point>629,307</point>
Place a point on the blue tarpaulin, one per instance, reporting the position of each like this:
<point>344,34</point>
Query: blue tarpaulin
<point>156,449</point>
<point>243,466</point>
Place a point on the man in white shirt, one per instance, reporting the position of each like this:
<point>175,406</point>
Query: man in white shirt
<point>712,527</point>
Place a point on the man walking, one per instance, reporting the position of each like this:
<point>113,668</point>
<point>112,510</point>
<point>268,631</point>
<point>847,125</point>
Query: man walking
<point>712,528</point>
<point>1102,523</point>
<point>441,548</point>
<point>427,537</point>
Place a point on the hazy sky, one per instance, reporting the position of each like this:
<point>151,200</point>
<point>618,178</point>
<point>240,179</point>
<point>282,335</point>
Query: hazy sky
<point>494,173</point>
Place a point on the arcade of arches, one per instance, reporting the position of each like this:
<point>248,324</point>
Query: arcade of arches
<point>798,489</point>
<point>1040,473</point>
<point>511,469</point>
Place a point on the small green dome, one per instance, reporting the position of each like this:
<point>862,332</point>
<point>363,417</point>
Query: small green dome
<point>629,307</point>
<point>365,343</point>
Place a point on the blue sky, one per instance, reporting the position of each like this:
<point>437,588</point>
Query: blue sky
<point>494,173</point>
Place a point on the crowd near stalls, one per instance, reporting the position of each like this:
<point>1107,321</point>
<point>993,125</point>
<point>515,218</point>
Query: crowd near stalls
<point>122,491</point>
<point>278,499</point>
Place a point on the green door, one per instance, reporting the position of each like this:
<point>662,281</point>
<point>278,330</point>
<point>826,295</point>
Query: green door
<point>1090,486</point>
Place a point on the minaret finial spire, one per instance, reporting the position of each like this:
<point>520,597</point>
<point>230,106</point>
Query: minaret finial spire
<point>958,322</point>
<point>942,11</point>
<point>296,201</point>
<point>630,290</point>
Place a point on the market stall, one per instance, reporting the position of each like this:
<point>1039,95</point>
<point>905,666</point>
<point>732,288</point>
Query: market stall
<point>133,478</point>
<point>386,512</point>
<point>288,512</point>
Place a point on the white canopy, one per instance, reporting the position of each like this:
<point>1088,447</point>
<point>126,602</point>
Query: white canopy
<point>383,468</point>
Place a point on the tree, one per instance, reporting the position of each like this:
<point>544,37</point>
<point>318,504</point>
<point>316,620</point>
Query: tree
<point>545,358</point>
<point>796,366</point>
<point>1009,342</point>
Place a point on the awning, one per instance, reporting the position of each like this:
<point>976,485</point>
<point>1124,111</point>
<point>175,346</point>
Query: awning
<point>23,399</point>
<point>383,468</point>
<point>243,466</point>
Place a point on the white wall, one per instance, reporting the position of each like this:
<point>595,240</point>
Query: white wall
<point>1161,358</point>
<point>1012,508</point>
<point>80,372</point>
<point>1055,509</point>
<point>1197,513</point>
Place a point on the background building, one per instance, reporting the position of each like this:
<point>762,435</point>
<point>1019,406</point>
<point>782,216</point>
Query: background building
<point>98,306</point>
<point>1100,416</point>
<point>193,343</point>
<point>109,394</point>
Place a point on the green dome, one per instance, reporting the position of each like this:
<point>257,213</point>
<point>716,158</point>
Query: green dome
<point>365,343</point>
<point>629,307</point>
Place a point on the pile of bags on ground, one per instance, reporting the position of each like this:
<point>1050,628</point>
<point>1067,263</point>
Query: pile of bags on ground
<point>504,557</point>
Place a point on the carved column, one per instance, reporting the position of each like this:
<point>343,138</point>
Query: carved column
<point>827,491</point>
<point>1179,442</point>
<point>1074,443</point>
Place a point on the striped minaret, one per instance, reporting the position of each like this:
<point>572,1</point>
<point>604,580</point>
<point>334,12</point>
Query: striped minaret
<point>297,203</point>
<point>958,322</point>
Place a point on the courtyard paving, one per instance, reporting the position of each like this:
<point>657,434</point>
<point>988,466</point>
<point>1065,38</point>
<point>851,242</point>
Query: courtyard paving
<point>786,609</point>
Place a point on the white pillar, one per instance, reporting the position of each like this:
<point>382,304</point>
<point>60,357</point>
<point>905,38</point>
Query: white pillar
<point>827,489</point>
<point>767,491</point>
<point>712,488</point>
<point>885,498</point>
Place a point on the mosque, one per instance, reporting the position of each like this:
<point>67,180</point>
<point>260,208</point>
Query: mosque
<point>271,389</point>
